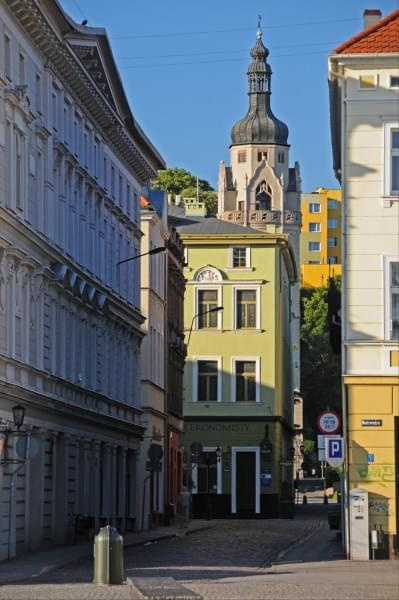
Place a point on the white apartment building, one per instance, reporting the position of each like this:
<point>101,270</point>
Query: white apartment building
<point>364,100</point>
<point>73,162</point>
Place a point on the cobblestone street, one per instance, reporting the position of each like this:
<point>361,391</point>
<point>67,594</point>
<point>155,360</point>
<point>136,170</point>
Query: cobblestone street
<point>232,560</point>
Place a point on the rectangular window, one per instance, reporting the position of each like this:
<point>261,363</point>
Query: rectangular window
<point>262,155</point>
<point>314,246</point>
<point>207,300</point>
<point>245,376</point>
<point>54,109</point>
<point>394,81</point>
<point>128,199</point>
<point>314,227</point>
<point>281,157</point>
<point>7,56</point>
<point>332,204</point>
<point>332,223</point>
<point>240,257</point>
<point>314,207</point>
<point>367,82</point>
<point>242,156</point>
<point>246,309</point>
<point>21,68</point>
<point>19,171</point>
<point>332,260</point>
<point>113,181</point>
<point>394,152</point>
<point>38,86</point>
<point>313,262</point>
<point>207,390</point>
<point>393,273</point>
<point>332,242</point>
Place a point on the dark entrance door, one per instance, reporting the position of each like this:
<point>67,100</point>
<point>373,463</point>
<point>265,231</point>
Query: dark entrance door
<point>245,483</point>
<point>397,480</point>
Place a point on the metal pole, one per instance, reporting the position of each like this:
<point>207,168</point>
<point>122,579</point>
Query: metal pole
<point>143,505</point>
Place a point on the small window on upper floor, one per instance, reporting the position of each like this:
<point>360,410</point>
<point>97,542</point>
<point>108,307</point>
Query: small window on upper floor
<point>332,204</point>
<point>281,157</point>
<point>242,156</point>
<point>240,257</point>
<point>394,81</point>
<point>391,159</point>
<point>332,242</point>
<point>332,223</point>
<point>314,246</point>
<point>21,68</point>
<point>367,82</point>
<point>314,207</point>
<point>314,227</point>
<point>7,56</point>
<point>261,155</point>
<point>332,260</point>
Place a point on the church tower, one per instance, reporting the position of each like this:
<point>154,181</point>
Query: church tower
<point>259,189</point>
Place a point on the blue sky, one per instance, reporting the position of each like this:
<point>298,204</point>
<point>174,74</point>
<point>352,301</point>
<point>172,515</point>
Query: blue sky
<point>183,64</point>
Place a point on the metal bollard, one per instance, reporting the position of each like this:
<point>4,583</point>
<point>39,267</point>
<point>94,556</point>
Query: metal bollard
<point>108,557</point>
<point>304,499</point>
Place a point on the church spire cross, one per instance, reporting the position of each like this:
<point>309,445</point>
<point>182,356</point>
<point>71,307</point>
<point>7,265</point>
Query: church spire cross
<point>259,30</point>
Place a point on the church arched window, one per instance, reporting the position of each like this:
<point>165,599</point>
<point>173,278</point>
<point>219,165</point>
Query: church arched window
<point>263,200</point>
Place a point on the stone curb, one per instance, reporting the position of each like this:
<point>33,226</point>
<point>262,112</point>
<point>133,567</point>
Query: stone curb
<point>86,554</point>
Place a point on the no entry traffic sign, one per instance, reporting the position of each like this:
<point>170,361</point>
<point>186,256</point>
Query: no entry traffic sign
<point>328,421</point>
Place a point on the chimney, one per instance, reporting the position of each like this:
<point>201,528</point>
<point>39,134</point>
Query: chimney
<point>371,16</point>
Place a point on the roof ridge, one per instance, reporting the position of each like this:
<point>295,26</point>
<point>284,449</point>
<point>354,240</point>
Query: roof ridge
<point>366,32</point>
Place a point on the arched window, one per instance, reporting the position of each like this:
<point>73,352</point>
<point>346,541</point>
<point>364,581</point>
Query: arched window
<point>263,199</point>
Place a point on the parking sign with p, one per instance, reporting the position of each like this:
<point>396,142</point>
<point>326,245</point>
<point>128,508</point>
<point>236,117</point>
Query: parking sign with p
<point>335,450</point>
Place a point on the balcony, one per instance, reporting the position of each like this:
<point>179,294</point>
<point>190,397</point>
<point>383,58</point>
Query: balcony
<point>263,217</point>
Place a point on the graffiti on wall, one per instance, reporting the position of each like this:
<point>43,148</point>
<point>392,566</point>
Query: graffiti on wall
<point>379,506</point>
<point>380,473</point>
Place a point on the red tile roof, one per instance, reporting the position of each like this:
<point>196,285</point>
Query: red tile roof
<point>381,36</point>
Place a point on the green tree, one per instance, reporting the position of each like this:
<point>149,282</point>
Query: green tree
<point>320,367</point>
<point>174,180</point>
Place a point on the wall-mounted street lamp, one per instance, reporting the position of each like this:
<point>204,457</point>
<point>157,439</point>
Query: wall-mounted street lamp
<point>205,312</point>
<point>18,412</point>
<point>153,251</point>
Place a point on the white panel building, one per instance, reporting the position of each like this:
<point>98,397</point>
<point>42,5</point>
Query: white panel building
<point>72,165</point>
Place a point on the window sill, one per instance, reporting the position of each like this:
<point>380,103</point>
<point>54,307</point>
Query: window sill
<point>240,269</point>
<point>387,201</point>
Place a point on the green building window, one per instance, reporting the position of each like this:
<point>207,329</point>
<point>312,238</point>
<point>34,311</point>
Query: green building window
<point>246,309</point>
<point>394,285</point>
<point>207,381</point>
<point>245,381</point>
<point>207,300</point>
<point>239,257</point>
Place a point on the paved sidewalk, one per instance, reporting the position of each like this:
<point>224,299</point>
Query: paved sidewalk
<point>36,564</point>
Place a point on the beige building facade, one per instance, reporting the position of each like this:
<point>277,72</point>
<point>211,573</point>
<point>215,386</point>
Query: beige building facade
<point>364,86</point>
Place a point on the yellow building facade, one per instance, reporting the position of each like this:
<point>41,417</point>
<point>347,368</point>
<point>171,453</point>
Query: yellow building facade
<point>320,242</point>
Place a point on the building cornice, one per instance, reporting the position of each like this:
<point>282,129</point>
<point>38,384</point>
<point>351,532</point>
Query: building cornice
<point>65,63</point>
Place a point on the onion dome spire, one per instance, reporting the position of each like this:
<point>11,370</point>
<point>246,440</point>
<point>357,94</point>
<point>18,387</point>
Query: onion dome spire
<point>259,124</point>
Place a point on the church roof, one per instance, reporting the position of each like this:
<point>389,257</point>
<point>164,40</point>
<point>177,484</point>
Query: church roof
<point>259,126</point>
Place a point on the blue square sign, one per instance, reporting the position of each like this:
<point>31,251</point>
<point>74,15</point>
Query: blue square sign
<point>334,450</point>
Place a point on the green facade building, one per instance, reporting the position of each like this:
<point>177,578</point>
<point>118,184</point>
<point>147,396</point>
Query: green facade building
<point>238,406</point>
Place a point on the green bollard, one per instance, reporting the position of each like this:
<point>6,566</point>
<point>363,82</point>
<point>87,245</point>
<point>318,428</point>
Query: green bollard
<point>108,557</point>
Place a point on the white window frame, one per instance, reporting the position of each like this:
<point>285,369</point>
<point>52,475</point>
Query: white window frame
<point>195,360</point>
<point>256,360</point>
<point>207,287</point>
<point>194,473</point>
<point>387,297</point>
<point>241,287</point>
<point>314,242</point>
<point>314,212</point>
<point>247,257</point>
<point>388,127</point>
<point>234,451</point>
<point>318,227</point>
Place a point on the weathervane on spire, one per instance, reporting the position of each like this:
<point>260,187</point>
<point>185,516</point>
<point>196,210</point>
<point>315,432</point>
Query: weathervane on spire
<point>259,31</point>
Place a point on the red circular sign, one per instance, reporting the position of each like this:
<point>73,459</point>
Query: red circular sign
<point>328,421</point>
